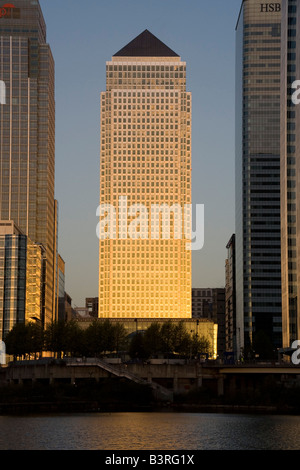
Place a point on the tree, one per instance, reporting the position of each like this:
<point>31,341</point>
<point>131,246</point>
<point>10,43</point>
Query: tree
<point>24,339</point>
<point>99,338</point>
<point>167,337</point>
<point>73,338</point>
<point>118,337</point>
<point>16,341</point>
<point>137,348</point>
<point>35,339</point>
<point>199,345</point>
<point>181,340</point>
<point>57,338</point>
<point>153,340</point>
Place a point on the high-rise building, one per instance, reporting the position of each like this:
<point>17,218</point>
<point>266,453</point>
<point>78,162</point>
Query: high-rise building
<point>258,226</point>
<point>230,297</point>
<point>92,304</point>
<point>27,133</point>
<point>200,298</point>
<point>290,184</point>
<point>214,310</point>
<point>145,272</point>
<point>218,315</point>
<point>21,276</point>
<point>60,290</point>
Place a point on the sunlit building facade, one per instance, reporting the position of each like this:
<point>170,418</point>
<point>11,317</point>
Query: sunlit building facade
<point>145,158</point>
<point>258,225</point>
<point>35,263</point>
<point>27,133</point>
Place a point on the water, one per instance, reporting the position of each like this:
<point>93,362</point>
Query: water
<point>150,431</point>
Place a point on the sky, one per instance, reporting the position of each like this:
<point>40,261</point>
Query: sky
<point>83,36</point>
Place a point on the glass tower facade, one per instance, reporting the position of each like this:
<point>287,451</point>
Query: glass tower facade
<point>21,275</point>
<point>27,132</point>
<point>230,298</point>
<point>289,170</point>
<point>13,253</point>
<point>145,157</point>
<point>258,225</point>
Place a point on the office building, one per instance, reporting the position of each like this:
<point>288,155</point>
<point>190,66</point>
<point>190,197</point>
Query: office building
<point>69,312</point>
<point>27,133</point>
<point>60,290</point>
<point>200,298</point>
<point>145,272</point>
<point>92,304</point>
<point>230,298</point>
<point>290,147</point>
<point>258,226</point>
<point>214,310</point>
<point>21,278</point>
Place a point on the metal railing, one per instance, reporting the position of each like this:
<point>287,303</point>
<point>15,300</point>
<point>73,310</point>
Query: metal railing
<point>119,372</point>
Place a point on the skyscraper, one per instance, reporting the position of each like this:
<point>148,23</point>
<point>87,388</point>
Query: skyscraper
<point>290,184</point>
<point>258,232</point>
<point>230,297</point>
<point>145,162</point>
<point>27,132</point>
<point>21,267</point>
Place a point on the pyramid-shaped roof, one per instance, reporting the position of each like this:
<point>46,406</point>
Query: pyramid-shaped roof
<point>146,45</point>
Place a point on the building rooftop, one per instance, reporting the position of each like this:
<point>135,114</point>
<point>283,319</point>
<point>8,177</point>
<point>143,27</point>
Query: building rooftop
<point>146,45</point>
<point>8,227</point>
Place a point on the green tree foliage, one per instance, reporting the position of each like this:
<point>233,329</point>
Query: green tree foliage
<point>167,339</point>
<point>181,340</point>
<point>200,345</point>
<point>119,338</point>
<point>56,338</point>
<point>103,337</point>
<point>152,340</point>
<point>24,340</point>
<point>35,339</point>
<point>98,337</point>
<point>137,348</point>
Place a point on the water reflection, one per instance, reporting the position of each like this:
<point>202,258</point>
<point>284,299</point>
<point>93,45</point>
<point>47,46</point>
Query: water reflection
<point>150,431</point>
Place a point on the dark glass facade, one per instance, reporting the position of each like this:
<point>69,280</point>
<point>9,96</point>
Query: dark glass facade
<point>289,170</point>
<point>27,132</point>
<point>230,298</point>
<point>13,252</point>
<point>21,264</point>
<point>258,253</point>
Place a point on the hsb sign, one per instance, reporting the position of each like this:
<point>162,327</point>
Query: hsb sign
<point>270,7</point>
<point>5,10</point>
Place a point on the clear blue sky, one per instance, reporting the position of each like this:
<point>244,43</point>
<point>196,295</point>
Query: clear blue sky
<point>83,36</point>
